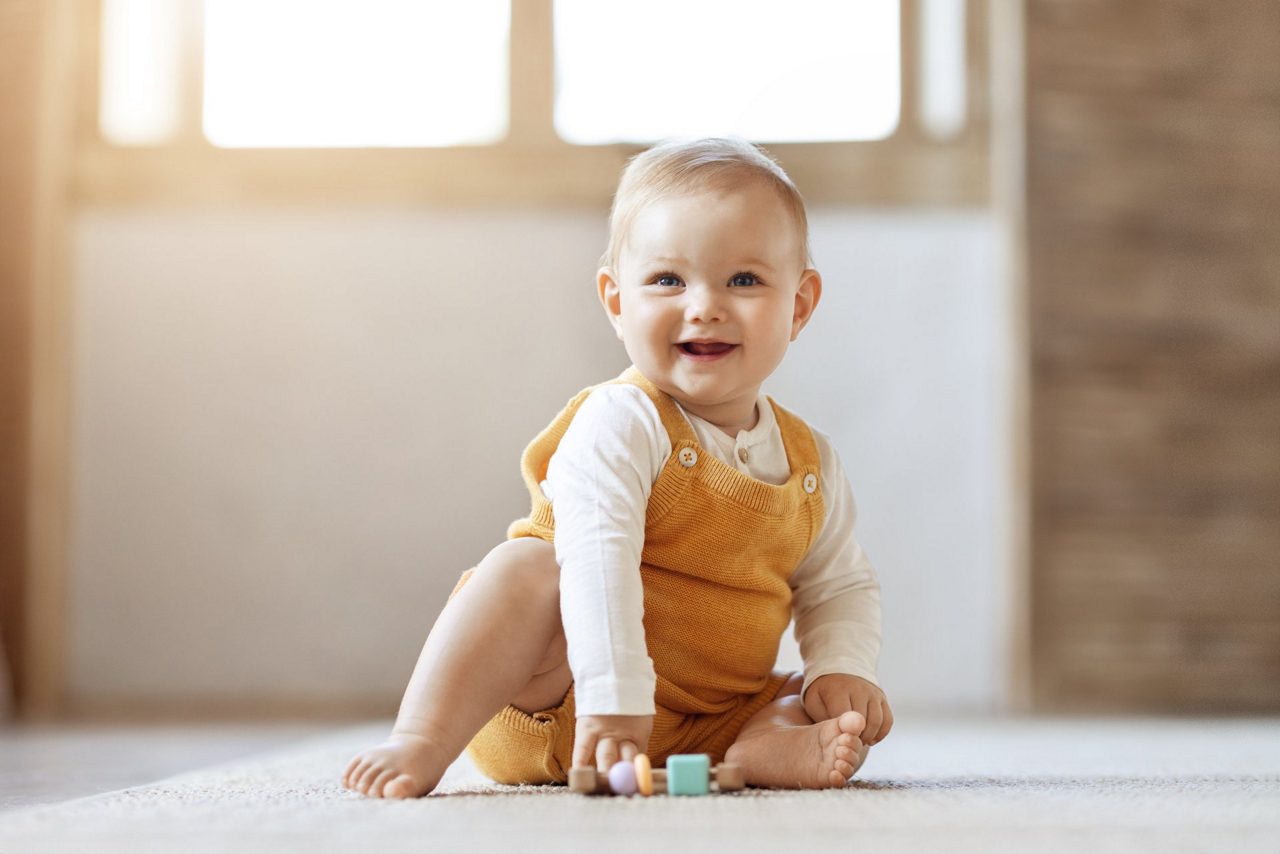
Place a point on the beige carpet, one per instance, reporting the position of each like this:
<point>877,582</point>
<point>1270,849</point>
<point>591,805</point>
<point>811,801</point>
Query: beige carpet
<point>1084,786</point>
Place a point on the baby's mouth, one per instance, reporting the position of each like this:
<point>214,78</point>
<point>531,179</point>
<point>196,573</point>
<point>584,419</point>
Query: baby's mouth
<point>712,348</point>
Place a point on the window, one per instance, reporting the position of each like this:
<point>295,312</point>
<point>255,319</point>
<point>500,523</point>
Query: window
<point>943,76</point>
<point>353,73</point>
<point>141,62</point>
<point>405,101</point>
<point>807,71</point>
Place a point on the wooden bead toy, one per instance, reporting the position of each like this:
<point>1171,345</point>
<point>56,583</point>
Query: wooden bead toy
<point>622,778</point>
<point>644,775</point>
<point>685,774</point>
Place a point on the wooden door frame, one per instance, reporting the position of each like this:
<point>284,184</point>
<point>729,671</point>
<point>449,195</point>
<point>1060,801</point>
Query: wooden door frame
<point>36,271</point>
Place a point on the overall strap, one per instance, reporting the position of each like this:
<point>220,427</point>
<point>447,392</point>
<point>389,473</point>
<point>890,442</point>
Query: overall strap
<point>678,429</point>
<point>797,439</point>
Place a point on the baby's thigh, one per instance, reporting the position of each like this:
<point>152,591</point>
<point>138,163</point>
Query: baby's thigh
<point>524,571</point>
<point>521,579</point>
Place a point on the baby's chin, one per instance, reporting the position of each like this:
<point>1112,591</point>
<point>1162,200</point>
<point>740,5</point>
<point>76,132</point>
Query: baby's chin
<point>715,402</point>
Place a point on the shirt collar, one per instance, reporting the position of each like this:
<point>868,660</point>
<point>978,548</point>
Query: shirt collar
<point>747,438</point>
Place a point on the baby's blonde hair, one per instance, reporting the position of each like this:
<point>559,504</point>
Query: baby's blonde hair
<point>682,166</point>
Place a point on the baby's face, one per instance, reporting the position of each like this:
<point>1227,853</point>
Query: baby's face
<point>709,290</point>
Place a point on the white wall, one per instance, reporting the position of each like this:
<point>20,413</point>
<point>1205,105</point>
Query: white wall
<point>293,429</point>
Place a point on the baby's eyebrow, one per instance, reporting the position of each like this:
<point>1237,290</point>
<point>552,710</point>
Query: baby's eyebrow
<point>746,262</point>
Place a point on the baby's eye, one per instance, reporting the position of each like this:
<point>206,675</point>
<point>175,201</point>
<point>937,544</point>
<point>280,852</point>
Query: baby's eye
<point>667,280</point>
<point>743,280</point>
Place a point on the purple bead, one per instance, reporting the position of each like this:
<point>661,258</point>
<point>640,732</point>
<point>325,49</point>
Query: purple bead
<point>622,778</point>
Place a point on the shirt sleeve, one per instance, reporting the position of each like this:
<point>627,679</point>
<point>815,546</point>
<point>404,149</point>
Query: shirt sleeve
<point>835,591</point>
<point>599,481</point>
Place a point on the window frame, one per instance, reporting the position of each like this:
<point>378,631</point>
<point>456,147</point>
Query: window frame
<point>532,166</point>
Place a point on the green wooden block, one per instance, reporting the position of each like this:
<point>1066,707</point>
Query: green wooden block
<point>688,774</point>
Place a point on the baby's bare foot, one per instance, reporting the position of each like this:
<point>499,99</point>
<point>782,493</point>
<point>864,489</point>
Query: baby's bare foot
<point>819,756</point>
<point>403,766</point>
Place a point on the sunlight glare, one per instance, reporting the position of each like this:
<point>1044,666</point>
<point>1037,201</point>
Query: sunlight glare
<point>803,71</point>
<point>140,71</point>
<point>340,73</point>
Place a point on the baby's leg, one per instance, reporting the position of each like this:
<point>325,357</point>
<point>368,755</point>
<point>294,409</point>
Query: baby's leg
<point>782,747</point>
<point>498,641</point>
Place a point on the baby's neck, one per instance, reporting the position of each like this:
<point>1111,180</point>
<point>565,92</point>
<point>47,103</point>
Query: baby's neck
<point>726,423</point>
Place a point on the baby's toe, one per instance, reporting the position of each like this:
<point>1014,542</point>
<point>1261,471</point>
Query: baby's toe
<point>851,722</point>
<point>848,739</point>
<point>366,779</point>
<point>375,788</point>
<point>399,787</point>
<point>844,768</point>
<point>354,770</point>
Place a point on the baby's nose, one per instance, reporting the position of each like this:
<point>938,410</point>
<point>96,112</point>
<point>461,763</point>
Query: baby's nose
<point>703,304</point>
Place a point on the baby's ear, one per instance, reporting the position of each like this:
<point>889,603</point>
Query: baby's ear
<point>610,297</point>
<point>808,293</point>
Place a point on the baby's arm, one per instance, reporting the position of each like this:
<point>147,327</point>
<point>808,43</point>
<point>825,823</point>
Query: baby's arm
<point>599,481</point>
<point>836,604</point>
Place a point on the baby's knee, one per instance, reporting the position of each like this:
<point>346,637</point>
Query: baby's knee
<point>525,566</point>
<point>532,553</point>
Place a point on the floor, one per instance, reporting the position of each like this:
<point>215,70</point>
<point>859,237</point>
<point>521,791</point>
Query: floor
<point>959,785</point>
<point>50,763</point>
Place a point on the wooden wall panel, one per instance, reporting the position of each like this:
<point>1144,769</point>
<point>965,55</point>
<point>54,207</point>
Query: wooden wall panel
<point>1153,240</point>
<point>19,69</point>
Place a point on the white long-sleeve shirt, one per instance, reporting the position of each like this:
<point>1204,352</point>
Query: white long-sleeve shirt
<point>599,481</point>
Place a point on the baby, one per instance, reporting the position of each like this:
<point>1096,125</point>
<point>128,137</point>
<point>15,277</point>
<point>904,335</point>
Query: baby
<point>680,519</point>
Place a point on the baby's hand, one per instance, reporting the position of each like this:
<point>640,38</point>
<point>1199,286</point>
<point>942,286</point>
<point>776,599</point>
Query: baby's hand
<point>831,695</point>
<point>608,738</point>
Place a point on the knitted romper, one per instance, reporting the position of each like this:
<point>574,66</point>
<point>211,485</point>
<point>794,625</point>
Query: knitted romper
<point>719,546</point>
